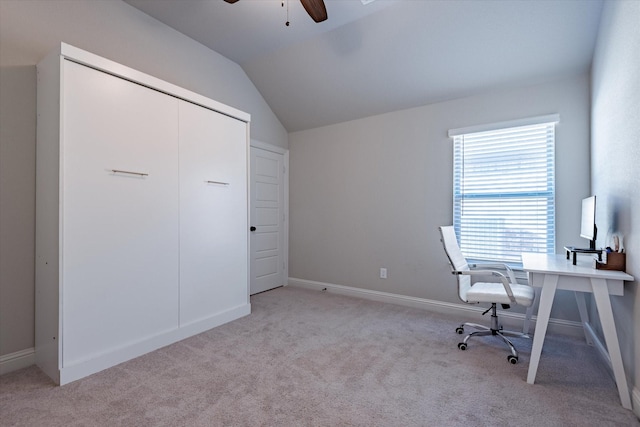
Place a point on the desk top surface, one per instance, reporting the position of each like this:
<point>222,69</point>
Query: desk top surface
<point>559,264</point>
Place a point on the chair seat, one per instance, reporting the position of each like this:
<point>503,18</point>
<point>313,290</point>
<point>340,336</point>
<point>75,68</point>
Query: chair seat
<point>494,292</point>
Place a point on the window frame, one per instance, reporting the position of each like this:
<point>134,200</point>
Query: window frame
<point>545,197</point>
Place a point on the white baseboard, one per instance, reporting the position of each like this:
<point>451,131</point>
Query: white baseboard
<point>17,360</point>
<point>463,311</point>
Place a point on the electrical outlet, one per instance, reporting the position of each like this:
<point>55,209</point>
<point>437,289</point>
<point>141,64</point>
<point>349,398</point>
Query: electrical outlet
<point>383,273</point>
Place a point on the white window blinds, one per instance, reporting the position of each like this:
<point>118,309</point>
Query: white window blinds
<point>504,191</point>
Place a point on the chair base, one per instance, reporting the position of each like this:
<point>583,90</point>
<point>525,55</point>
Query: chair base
<point>495,330</point>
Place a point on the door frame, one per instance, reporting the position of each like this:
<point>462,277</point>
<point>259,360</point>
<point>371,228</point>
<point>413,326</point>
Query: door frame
<point>285,225</point>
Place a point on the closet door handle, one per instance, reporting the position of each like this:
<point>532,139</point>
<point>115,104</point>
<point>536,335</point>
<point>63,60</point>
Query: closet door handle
<point>217,182</point>
<point>129,172</point>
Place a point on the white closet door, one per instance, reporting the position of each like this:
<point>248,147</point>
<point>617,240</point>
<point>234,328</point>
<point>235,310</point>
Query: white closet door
<point>119,230</point>
<point>213,213</point>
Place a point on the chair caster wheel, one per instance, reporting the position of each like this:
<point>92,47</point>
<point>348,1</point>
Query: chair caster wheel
<point>512,359</point>
<point>460,330</point>
<point>462,346</point>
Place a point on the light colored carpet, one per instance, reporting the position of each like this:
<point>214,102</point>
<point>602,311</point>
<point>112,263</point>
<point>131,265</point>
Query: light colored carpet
<point>309,358</point>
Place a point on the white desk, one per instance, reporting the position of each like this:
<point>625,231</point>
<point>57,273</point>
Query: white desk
<point>551,272</point>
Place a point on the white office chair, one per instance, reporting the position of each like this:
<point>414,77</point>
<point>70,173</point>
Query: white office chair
<point>505,292</point>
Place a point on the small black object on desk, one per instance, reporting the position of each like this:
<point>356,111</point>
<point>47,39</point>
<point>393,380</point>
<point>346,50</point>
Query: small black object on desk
<point>573,250</point>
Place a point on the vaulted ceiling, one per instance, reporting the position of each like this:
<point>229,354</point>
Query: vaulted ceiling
<point>387,55</point>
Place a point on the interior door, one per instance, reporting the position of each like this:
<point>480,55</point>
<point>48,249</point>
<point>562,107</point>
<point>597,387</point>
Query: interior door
<point>268,263</point>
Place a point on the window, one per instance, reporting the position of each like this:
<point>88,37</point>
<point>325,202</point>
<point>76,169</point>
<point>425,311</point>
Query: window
<point>504,189</point>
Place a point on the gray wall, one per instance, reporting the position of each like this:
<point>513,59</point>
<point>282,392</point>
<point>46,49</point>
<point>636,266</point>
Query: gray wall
<point>29,29</point>
<point>371,193</point>
<point>615,159</point>
<point>17,207</point>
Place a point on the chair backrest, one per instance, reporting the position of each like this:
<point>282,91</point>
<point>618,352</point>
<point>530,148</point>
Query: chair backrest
<point>456,259</point>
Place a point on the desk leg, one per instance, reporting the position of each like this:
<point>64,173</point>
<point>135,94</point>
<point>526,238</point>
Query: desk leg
<point>603,303</point>
<point>544,311</point>
<point>527,320</point>
<point>529,312</point>
<point>584,315</point>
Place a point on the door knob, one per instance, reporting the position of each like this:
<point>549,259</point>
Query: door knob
<point>252,228</point>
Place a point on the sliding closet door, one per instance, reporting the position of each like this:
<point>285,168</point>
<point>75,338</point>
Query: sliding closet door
<point>120,213</point>
<point>213,213</point>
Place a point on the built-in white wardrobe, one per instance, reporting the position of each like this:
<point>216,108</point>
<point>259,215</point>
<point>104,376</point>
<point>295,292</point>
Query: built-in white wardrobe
<point>141,214</point>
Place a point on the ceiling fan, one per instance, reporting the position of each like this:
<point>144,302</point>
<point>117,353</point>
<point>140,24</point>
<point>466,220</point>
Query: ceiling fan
<point>315,8</point>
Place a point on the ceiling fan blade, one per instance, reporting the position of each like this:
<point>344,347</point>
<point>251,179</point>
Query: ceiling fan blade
<point>316,9</point>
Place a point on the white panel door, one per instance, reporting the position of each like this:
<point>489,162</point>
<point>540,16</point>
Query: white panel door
<point>267,220</point>
<point>119,230</point>
<point>213,213</point>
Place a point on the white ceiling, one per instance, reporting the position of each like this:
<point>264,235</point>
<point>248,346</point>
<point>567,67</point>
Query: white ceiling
<point>390,54</point>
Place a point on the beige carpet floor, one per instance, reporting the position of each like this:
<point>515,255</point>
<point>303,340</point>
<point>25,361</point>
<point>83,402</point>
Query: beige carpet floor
<point>310,358</point>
